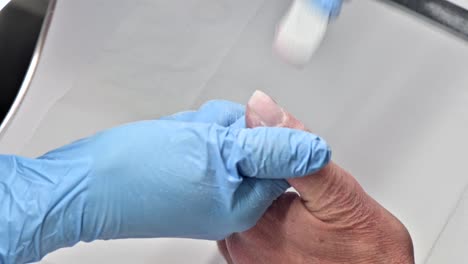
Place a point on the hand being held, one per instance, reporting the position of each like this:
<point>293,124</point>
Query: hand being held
<point>332,221</point>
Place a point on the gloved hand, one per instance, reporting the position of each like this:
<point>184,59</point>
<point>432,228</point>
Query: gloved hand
<point>194,175</point>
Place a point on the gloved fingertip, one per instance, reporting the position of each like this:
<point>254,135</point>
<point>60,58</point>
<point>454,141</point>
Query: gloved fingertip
<point>311,153</point>
<point>283,185</point>
<point>220,112</point>
<point>281,153</point>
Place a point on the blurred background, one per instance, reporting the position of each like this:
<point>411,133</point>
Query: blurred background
<point>388,89</point>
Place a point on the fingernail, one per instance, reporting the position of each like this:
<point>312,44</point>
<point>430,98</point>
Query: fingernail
<point>266,110</point>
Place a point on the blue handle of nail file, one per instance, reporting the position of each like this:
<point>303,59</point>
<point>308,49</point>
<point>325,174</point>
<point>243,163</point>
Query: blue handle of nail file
<point>330,8</point>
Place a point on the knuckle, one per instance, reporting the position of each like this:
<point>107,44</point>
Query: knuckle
<point>342,200</point>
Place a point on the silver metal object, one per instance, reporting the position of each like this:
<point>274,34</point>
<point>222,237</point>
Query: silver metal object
<point>443,13</point>
<point>23,29</point>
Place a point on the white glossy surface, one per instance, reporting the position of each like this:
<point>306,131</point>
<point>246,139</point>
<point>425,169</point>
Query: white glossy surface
<point>452,244</point>
<point>462,3</point>
<point>387,90</point>
<point>3,3</point>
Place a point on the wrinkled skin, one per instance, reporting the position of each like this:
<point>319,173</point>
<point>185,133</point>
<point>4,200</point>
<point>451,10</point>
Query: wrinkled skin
<point>333,220</point>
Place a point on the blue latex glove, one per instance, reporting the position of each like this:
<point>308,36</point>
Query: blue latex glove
<point>194,175</point>
<point>330,8</point>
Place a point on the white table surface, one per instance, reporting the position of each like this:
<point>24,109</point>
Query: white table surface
<point>387,90</point>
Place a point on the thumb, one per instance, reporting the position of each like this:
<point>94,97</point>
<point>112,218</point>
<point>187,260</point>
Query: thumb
<point>328,194</point>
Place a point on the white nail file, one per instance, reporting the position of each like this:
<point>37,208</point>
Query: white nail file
<point>300,32</point>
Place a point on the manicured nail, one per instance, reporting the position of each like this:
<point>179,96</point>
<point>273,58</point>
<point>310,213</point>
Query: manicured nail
<point>265,110</point>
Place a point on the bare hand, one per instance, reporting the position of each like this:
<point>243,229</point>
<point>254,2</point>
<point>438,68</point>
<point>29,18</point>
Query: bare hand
<point>332,221</point>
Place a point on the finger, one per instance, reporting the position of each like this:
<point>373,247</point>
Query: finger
<point>253,198</point>
<point>327,193</point>
<point>240,123</point>
<point>223,113</point>
<point>262,110</point>
<point>277,153</point>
